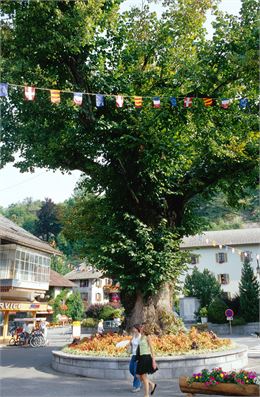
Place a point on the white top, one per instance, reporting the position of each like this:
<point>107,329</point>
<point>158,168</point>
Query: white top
<point>134,344</point>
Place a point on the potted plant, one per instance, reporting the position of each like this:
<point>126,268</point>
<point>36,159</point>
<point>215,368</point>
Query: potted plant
<point>203,315</point>
<point>217,381</point>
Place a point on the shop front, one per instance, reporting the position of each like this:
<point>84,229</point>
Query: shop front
<point>9,310</point>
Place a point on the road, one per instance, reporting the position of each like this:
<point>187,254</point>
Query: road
<point>27,372</point>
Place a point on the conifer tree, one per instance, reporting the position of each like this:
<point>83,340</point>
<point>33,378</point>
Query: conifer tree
<point>249,293</point>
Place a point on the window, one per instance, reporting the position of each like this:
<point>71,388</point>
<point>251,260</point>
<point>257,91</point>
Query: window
<point>98,297</point>
<point>83,283</point>
<point>194,259</point>
<point>223,279</point>
<point>246,255</point>
<point>221,257</point>
<point>226,295</point>
<point>84,296</point>
<point>99,283</point>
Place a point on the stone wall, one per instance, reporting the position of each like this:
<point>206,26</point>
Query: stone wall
<point>169,367</point>
<point>223,329</point>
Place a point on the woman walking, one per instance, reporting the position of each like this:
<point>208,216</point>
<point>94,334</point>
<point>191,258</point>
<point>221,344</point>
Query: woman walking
<point>146,363</point>
<point>133,363</point>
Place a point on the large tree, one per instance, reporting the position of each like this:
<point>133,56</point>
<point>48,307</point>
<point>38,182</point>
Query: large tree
<point>249,290</point>
<point>148,164</point>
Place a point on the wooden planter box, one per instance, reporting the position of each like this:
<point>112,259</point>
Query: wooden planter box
<point>222,389</point>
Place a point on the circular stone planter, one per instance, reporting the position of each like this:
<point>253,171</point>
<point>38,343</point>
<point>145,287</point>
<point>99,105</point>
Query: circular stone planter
<point>169,367</point>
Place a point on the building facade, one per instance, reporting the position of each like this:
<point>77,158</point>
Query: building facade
<point>57,283</point>
<point>24,274</point>
<point>223,253</point>
<point>93,287</point>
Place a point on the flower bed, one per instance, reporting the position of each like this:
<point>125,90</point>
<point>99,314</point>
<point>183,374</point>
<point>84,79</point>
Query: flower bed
<point>167,345</point>
<point>219,382</point>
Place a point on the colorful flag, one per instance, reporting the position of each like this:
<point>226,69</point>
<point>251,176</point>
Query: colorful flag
<point>78,98</point>
<point>3,89</point>
<point>208,101</point>
<point>156,102</point>
<point>225,103</point>
<point>119,101</point>
<point>173,101</point>
<point>187,102</point>
<point>100,102</point>
<point>55,96</point>
<point>29,93</point>
<point>243,103</point>
<point>138,101</point>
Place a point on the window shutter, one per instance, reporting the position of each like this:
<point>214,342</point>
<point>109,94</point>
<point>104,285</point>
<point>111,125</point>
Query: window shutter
<point>217,258</point>
<point>225,256</point>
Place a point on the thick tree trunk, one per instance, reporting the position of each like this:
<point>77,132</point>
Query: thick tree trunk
<point>151,310</point>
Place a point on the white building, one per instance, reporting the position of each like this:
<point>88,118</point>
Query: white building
<point>93,287</point>
<point>223,252</point>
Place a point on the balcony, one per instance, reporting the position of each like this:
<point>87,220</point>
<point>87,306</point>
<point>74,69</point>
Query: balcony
<point>23,268</point>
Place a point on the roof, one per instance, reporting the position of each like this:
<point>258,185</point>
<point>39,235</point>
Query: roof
<point>83,272</point>
<point>223,237</point>
<point>57,280</point>
<point>15,234</point>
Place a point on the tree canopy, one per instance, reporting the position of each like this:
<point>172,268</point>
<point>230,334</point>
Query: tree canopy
<point>147,164</point>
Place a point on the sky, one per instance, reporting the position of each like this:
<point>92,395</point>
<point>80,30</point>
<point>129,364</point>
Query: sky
<point>15,186</point>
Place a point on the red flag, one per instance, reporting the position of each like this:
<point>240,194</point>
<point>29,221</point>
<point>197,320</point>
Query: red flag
<point>29,93</point>
<point>187,102</point>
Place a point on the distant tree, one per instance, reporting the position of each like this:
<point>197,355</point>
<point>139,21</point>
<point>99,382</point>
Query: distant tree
<point>60,265</point>
<point>202,285</point>
<point>24,213</point>
<point>249,293</point>
<point>48,225</point>
<point>75,306</point>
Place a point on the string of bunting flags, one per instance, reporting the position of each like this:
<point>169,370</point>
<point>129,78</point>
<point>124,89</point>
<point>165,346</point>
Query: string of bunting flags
<point>187,102</point>
<point>231,248</point>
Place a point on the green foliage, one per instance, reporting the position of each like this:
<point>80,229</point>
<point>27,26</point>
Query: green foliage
<point>60,265</point>
<point>203,312</point>
<point>249,290</point>
<point>89,322</point>
<point>58,302</point>
<point>23,213</point>
<point>75,306</point>
<point>216,311</point>
<point>238,321</point>
<point>108,313</point>
<point>202,285</point>
<point>95,310</point>
<point>47,225</point>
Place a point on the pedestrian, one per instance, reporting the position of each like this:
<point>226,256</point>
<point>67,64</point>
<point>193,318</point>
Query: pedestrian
<point>146,363</point>
<point>100,328</point>
<point>134,342</point>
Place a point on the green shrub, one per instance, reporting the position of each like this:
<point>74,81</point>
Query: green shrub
<point>216,311</point>
<point>108,313</point>
<point>239,321</point>
<point>89,323</point>
<point>203,312</point>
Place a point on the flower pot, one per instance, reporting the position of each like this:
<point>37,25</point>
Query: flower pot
<point>204,320</point>
<point>222,389</point>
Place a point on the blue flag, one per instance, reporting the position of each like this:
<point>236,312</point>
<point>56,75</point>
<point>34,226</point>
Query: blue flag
<point>100,101</point>
<point>3,89</point>
<point>243,103</point>
<point>173,101</point>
